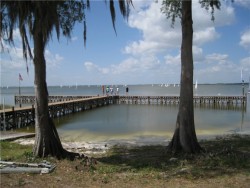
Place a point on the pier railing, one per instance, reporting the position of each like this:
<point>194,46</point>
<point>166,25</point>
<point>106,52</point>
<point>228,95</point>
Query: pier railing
<point>224,100</point>
<point>30,99</point>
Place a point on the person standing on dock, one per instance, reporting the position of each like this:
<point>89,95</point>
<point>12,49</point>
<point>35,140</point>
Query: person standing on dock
<point>107,90</point>
<point>103,90</point>
<point>127,90</point>
<point>117,90</point>
<point>111,90</point>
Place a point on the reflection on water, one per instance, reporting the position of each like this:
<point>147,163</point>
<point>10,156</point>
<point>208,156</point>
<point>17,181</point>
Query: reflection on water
<point>123,121</point>
<point>118,121</point>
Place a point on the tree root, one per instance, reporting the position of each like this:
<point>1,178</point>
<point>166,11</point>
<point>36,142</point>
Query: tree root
<point>70,155</point>
<point>175,145</point>
<point>48,143</point>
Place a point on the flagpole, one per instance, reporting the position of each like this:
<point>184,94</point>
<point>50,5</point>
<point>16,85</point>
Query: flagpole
<point>20,78</point>
<point>19,88</point>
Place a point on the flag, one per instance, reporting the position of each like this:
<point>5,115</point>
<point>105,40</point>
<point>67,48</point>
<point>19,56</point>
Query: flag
<point>20,77</point>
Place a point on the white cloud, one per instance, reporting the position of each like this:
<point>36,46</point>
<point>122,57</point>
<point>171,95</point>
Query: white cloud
<point>52,60</point>
<point>144,63</point>
<point>158,35</point>
<point>129,65</point>
<point>245,64</point>
<point>219,68</point>
<point>197,54</point>
<point>202,17</point>
<point>205,35</point>
<point>17,36</point>
<point>91,67</point>
<point>173,60</point>
<point>214,72</point>
<point>243,3</point>
<point>176,60</point>
<point>245,39</point>
<point>220,58</point>
<point>74,38</point>
<point>12,58</point>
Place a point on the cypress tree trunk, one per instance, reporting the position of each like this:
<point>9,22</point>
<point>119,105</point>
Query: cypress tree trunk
<point>184,137</point>
<point>47,141</point>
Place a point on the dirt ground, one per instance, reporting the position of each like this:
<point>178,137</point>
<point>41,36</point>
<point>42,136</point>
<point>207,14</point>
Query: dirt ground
<point>65,175</point>
<point>225,163</point>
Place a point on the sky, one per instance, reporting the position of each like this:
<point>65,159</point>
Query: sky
<point>146,49</point>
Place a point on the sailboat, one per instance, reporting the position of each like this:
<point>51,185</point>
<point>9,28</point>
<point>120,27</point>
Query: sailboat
<point>196,85</point>
<point>249,86</point>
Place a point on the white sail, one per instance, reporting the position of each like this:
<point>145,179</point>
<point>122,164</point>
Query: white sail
<point>249,86</point>
<point>196,85</point>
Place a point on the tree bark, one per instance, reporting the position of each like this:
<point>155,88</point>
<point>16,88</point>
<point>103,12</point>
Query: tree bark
<point>184,138</point>
<point>47,141</point>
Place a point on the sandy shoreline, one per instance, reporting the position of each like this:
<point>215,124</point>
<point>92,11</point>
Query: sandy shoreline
<point>95,147</point>
<point>101,147</point>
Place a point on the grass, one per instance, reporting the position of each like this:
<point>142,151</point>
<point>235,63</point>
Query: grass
<point>226,161</point>
<point>11,151</point>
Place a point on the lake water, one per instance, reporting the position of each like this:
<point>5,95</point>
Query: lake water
<point>143,123</point>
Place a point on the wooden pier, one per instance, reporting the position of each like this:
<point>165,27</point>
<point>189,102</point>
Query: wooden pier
<point>63,105</point>
<point>222,100</point>
<point>25,116</point>
<point>225,100</point>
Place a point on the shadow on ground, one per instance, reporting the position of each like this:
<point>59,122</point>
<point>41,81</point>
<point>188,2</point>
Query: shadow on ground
<point>221,157</point>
